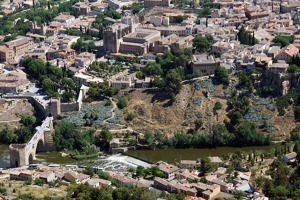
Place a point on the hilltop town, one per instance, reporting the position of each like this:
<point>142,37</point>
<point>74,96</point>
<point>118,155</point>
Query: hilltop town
<point>93,78</point>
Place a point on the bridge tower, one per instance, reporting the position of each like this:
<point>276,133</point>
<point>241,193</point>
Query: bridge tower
<point>42,140</point>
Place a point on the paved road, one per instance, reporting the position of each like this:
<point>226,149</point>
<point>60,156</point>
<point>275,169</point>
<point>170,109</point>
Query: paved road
<point>198,78</point>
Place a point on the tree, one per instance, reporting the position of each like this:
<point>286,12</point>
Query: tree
<point>283,40</point>
<point>229,170</point>
<point>205,12</point>
<point>23,134</point>
<point>35,68</point>
<point>139,75</point>
<point>104,138</point>
<point>239,195</point>
<point>106,135</point>
<point>140,170</point>
<point>89,171</point>
<point>222,75</point>
<point>221,136</point>
<point>7,136</point>
<point>204,180</point>
<point>297,113</point>
<point>68,136</point>
<point>130,116</point>
<point>246,134</point>
<point>39,182</point>
<point>296,148</point>
<point>246,38</point>
<point>198,124</point>
<point>173,82</point>
<point>217,106</point>
<point>149,137</point>
<point>27,119</point>
<point>136,7</point>
<point>122,103</point>
<point>293,68</point>
<point>68,96</point>
<point>201,44</point>
<point>207,166</point>
<point>281,191</point>
<point>104,175</point>
<point>153,69</point>
<point>28,181</point>
<point>49,87</point>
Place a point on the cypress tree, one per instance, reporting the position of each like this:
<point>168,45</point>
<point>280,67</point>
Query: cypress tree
<point>64,70</point>
<point>296,147</point>
<point>206,23</point>
<point>261,157</point>
<point>282,150</point>
<point>99,34</point>
<point>253,39</point>
<point>250,39</point>
<point>250,156</point>
<point>49,5</point>
<point>241,35</point>
<point>33,4</point>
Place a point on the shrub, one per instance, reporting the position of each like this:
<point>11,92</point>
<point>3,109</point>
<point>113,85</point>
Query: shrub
<point>122,103</point>
<point>130,116</point>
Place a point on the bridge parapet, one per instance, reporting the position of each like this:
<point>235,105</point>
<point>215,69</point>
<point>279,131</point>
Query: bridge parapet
<point>23,154</point>
<point>16,147</point>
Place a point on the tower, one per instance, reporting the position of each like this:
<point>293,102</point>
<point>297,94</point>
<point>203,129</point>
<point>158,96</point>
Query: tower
<point>110,40</point>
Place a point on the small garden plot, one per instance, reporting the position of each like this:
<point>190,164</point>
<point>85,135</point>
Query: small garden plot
<point>253,115</point>
<point>205,84</point>
<point>93,115</point>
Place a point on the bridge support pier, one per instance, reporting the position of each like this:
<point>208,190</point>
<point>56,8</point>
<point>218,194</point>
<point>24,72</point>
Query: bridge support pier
<point>42,140</point>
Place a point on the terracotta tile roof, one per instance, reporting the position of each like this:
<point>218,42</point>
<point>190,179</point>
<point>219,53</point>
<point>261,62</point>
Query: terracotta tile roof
<point>291,50</point>
<point>6,11</point>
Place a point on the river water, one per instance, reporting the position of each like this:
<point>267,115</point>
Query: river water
<point>133,158</point>
<point>175,155</point>
<point>115,162</point>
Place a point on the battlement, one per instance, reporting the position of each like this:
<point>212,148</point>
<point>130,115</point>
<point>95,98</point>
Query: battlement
<point>16,147</point>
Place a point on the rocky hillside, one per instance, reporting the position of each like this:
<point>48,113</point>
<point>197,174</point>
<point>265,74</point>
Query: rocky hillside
<point>196,100</point>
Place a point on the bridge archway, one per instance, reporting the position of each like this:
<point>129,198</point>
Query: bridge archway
<point>30,159</point>
<point>42,140</point>
<point>40,146</point>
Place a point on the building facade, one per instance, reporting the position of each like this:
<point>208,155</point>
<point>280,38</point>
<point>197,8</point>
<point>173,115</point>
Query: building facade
<point>13,51</point>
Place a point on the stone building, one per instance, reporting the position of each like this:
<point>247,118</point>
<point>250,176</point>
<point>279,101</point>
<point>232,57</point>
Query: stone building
<point>139,41</point>
<point>81,8</point>
<point>153,3</point>
<point>13,51</point>
<point>41,30</point>
<point>205,64</point>
<point>287,52</point>
<point>112,36</point>
<point>13,82</point>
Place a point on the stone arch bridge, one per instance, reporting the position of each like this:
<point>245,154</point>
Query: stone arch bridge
<point>42,140</point>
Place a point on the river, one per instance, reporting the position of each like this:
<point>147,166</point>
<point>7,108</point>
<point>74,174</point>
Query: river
<point>124,162</point>
<point>175,155</point>
<point>116,162</point>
